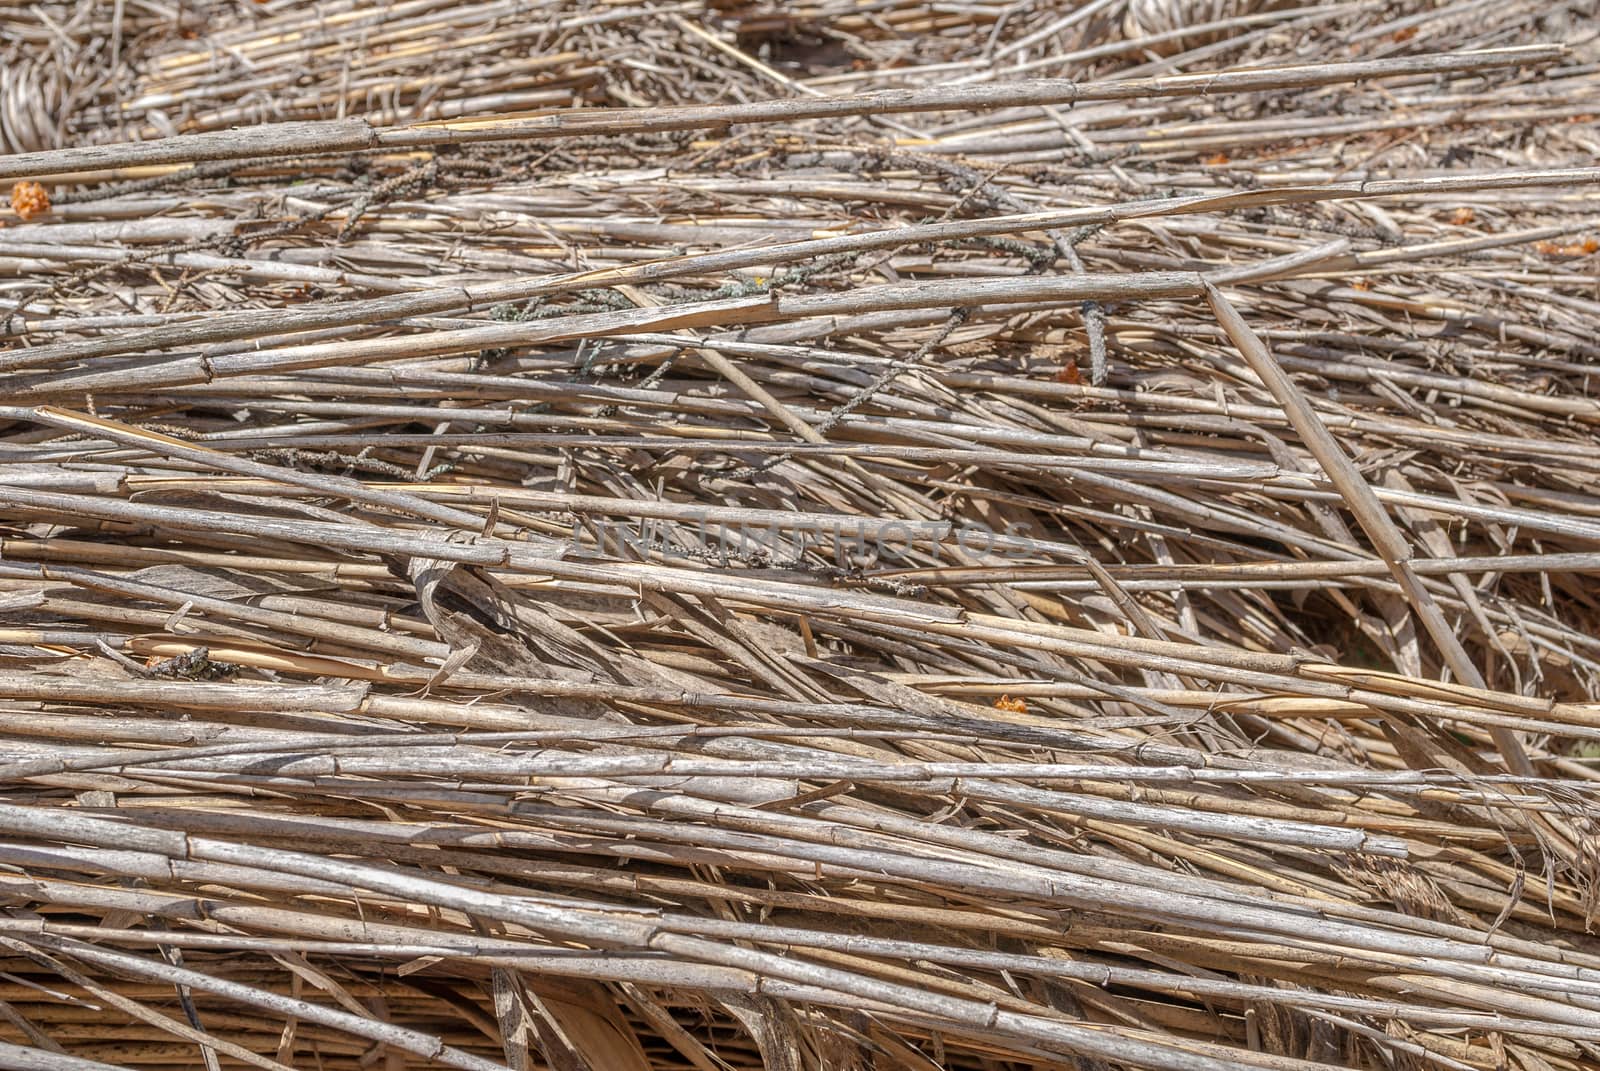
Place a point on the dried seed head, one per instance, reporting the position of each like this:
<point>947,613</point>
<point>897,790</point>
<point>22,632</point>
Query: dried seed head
<point>29,199</point>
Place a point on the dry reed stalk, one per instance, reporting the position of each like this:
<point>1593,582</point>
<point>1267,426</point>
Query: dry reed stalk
<point>726,536</point>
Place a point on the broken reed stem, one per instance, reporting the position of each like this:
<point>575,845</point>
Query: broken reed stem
<point>1386,537</point>
<point>353,135</point>
<point>226,326</point>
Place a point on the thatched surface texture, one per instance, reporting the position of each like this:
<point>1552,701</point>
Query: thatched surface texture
<point>968,536</point>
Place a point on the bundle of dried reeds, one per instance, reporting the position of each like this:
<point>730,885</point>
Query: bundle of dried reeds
<point>852,536</point>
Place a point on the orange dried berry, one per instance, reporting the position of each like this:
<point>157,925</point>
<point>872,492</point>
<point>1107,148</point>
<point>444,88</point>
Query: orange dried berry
<point>1405,34</point>
<point>1463,216</point>
<point>29,199</point>
<point>1216,159</point>
<point>1590,244</point>
<point>1015,706</point>
<point>1068,373</point>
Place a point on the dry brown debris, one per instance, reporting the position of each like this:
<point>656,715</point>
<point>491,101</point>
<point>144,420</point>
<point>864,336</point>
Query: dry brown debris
<point>495,573</point>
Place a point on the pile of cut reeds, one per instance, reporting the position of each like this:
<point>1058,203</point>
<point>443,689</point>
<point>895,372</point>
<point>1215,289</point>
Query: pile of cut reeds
<point>852,536</point>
